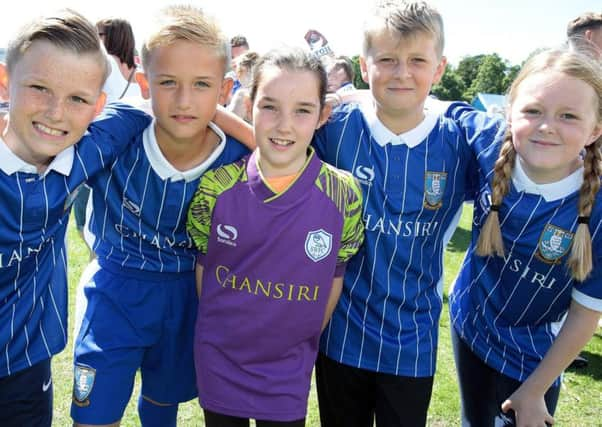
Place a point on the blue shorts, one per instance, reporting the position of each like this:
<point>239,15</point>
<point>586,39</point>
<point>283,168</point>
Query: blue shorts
<point>134,319</point>
<point>26,397</point>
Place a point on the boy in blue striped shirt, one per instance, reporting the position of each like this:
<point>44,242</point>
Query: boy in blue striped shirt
<point>378,352</point>
<point>41,171</point>
<point>141,302</point>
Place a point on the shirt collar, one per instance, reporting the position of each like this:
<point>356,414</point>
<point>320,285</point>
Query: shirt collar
<point>165,169</point>
<point>550,192</point>
<point>10,163</point>
<point>382,135</point>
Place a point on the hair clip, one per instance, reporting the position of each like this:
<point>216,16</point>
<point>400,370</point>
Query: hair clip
<point>583,220</point>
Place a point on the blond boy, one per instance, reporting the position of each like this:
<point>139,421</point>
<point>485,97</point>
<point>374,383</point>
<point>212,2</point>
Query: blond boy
<point>140,304</point>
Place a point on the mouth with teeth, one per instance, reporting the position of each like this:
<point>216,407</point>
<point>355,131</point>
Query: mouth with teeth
<point>281,142</point>
<point>48,130</point>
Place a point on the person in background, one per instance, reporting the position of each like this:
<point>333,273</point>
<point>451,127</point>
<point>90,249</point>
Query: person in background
<point>585,32</point>
<point>240,103</point>
<point>340,75</point>
<point>238,46</point>
<point>118,39</point>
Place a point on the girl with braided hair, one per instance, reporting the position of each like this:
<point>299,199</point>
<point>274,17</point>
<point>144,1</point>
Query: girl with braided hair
<point>529,293</point>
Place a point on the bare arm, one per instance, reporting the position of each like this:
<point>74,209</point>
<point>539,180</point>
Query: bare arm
<point>199,279</point>
<point>234,126</point>
<point>528,400</point>
<point>333,298</point>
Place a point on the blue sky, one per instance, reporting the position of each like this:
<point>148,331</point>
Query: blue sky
<point>511,28</point>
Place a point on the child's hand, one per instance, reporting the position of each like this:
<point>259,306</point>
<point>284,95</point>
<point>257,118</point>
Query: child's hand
<point>529,409</point>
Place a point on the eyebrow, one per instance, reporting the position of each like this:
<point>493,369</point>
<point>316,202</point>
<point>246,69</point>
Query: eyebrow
<point>302,103</point>
<point>194,77</point>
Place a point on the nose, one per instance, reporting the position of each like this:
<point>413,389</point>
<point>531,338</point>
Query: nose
<point>401,70</point>
<point>55,109</point>
<point>545,125</point>
<point>285,122</point>
<point>183,98</point>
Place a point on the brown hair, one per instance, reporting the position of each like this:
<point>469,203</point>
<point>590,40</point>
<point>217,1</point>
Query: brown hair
<point>406,19</point>
<point>582,67</point>
<point>585,21</point>
<point>294,59</point>
<point>118,39</point>
<point>66,29</point>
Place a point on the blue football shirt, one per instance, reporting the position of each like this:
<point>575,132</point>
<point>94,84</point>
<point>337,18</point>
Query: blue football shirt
<point>508,309</point>
<point>140,205</point>
<point>33,258</point>
<point>414,185</point>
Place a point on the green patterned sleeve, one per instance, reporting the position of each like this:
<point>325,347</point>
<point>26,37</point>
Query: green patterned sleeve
<point>201,210</point>
<point>353,226</point>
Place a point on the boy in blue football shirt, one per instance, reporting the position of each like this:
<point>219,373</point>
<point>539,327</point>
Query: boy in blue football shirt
<point>378,352</point>
<point>41,171</point>
<point>141,302</point>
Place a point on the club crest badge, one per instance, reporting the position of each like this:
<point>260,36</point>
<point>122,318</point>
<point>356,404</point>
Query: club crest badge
<point>553,244</point>
<point>82,384</point>
<point>434,187</point>
<point>318,245</point>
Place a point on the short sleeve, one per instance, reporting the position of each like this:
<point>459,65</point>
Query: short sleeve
<point>353,225</point>
<point>200,212</point>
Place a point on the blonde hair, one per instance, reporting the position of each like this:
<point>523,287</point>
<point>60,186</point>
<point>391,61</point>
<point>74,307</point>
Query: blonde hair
<point>65,29</point>
<point>405,19</point>
<point>582,67</point>
<point>186,23</point>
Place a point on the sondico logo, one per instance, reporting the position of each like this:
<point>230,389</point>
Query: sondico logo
<point>364,174</point>
<point>227,234</point>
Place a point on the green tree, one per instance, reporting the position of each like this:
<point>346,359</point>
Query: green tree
<point>468,68</point>
<point>490,77</point>
<point>511,74</point>
<point>451,86</point>
<point>358,82</point>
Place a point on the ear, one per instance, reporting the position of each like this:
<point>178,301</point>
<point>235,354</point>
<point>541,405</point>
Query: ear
<point>324,115</point>
<point>224,92</point>
<point>364,70</point>
<point>143,83</point>
<point>100,103</point>
<point>440,70</point>
<point>597,133</point>
<point>588,35</point>
<point>3,82</point>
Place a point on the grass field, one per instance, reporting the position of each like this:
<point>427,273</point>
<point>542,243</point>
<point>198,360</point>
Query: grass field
<point>580,400</point>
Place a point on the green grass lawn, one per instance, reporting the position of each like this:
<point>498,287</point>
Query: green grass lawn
<point>580,400</point>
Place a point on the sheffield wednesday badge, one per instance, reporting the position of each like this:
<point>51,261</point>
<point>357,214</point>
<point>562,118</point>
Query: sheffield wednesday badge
<point>554,243</point>
<point>318,245</point>
<point>82,384</point>
<point>434,186</point>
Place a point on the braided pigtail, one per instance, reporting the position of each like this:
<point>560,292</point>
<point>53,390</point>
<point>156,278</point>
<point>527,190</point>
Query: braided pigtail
<point>580,259</point>
<point>490,240</point>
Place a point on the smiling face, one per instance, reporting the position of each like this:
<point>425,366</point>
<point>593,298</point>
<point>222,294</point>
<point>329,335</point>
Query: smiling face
<point>286,112</point>
<point>401,72</point>
<point>54,95</point>
<point>552,118</point>
<point>186,82</point>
